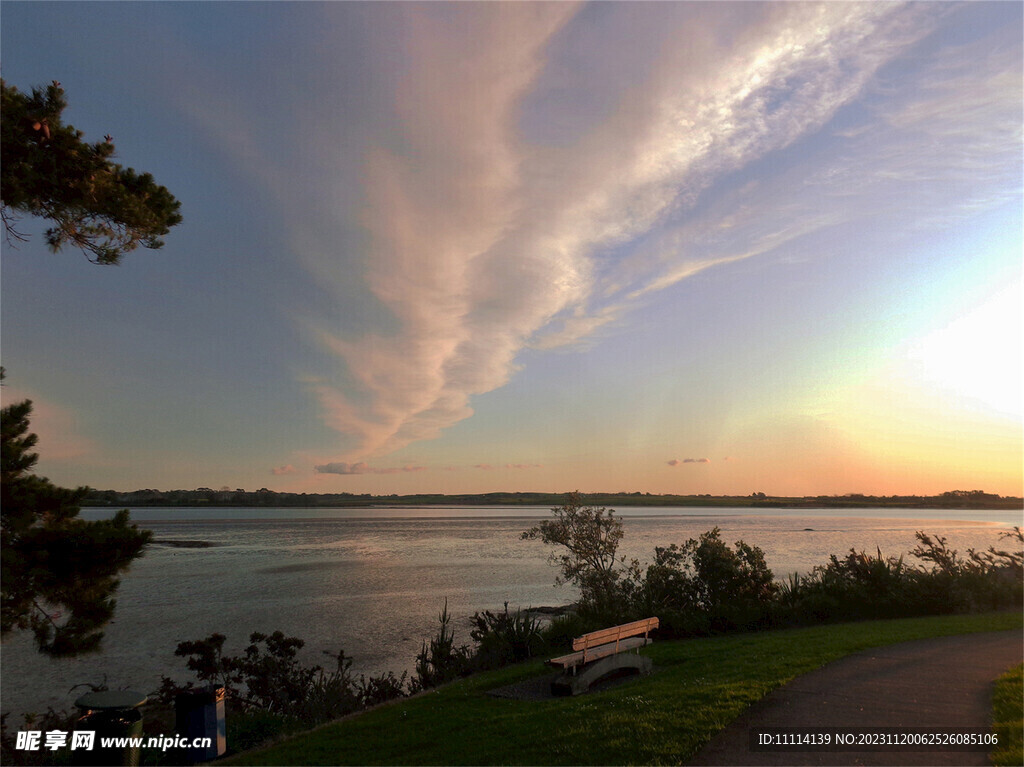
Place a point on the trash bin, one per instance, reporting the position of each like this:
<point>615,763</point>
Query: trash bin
<point>199,713</point>
<point>110,714</point>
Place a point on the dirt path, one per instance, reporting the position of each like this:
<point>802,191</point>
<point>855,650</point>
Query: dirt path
<point>940,685</point>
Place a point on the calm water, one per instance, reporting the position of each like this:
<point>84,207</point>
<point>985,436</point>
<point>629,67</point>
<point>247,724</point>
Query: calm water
<point>373,581</point>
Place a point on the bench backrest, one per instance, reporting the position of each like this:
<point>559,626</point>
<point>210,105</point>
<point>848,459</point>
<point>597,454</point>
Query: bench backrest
<point>615,633</point>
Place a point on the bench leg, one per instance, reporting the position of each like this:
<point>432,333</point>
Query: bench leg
<point>574,684</point>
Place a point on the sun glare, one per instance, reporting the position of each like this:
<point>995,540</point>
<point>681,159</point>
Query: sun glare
<point>977,356</point>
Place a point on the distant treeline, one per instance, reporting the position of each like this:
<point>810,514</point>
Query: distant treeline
<point>204,496</point>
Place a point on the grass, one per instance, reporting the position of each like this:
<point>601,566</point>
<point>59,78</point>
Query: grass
<point>700,686</point>
<point>1008,718</point>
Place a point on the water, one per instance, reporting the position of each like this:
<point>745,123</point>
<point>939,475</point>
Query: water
<point>372,581</point>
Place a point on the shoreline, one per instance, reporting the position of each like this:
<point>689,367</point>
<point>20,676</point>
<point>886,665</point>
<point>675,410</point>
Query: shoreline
<point>205,498</point>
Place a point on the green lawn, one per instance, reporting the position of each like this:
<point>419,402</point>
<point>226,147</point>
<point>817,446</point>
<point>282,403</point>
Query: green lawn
<point>1008,718</point>
<point>700,685</point>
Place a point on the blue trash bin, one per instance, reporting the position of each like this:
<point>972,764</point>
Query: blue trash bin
<point>199,713</point>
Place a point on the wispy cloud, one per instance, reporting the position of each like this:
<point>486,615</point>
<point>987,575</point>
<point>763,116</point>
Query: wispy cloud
<point>481,234</point>
<point>440,195</point>
<point>677,462</point>
<point>281,471</point>
<point>363,468</point>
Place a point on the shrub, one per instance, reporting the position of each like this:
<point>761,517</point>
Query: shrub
<point>857,586</point>
<point>206,659</point>
<point>702,586</point>
<point>988,580</point>
<point>505,638</point>
<point>315,695</point>
<point>726,577</point>
<point>675,623</point>
<point>440,661</point>
<point>860,586</point>
<point>731,586</point>
<point>564,628</point>
<point>269,681</point>
<point>275,681</point>
<point>51,720</point>
<point>375,690</point>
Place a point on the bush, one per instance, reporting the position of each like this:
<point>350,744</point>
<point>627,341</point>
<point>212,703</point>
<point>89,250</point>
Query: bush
<point>440,661</point>
<point>564,628</point>
<point>702,587</point>
<point>270,687</point>
<point>730,586</point>
<point>51,720</point>
<point>375,690</point>
<point>677,624</point>
<point>317,695</point>
<point>988,580</point>
<point>860,586</point>
<point>505,638</point>
<point>726,577</point>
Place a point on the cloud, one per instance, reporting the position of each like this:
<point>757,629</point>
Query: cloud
<point>530,174</point>
<point>785,79</point>
<point>677,462</point>
<point>282,470</point>
<point>949,140</point>
<point>439,190</point>
<point>341,468</point>
<point>484,466</point>
<point>482,242</point>
<point>362,468</point>
<point>524,465</point>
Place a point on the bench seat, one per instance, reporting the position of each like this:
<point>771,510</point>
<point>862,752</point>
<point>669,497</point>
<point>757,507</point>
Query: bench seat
<point>601,651</point>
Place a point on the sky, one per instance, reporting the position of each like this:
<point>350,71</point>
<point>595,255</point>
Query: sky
<point>668,247</point>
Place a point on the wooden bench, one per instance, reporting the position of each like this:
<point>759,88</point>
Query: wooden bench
<point>599,653</point>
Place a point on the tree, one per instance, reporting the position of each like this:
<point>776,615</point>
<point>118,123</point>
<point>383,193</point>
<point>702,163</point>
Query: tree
<point>589,538</point>
<point>728,576</point>
<point>50,172</point>
<point>58,573</point>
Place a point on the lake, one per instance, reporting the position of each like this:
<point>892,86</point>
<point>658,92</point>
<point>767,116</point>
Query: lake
<point>372,581</point>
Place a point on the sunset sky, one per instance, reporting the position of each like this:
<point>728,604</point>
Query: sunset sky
<point>456,247</point>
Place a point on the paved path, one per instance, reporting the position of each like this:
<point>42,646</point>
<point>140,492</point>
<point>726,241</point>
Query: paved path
<point>940,684</point>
